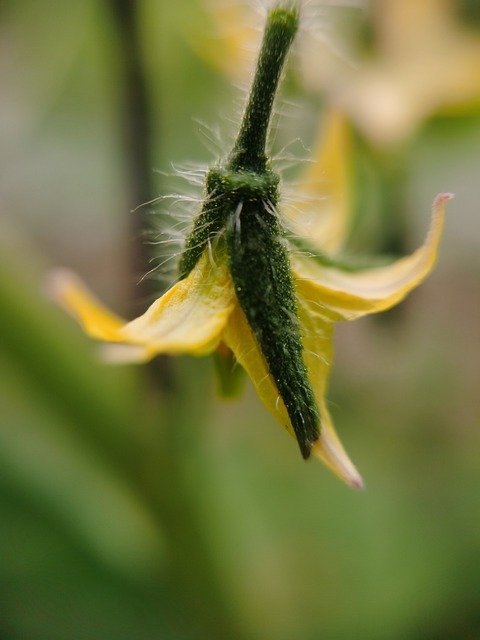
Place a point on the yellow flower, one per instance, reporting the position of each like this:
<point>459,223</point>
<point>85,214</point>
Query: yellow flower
<point>425,61</point>
<point>243,288</point>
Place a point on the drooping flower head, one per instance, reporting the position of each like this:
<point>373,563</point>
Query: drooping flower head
<point>245,291</point>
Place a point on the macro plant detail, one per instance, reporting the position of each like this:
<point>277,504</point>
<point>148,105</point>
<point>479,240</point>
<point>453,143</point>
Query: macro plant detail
<point>250,285</point>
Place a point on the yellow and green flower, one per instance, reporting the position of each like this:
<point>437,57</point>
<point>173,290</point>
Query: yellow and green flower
<point>251,287</point>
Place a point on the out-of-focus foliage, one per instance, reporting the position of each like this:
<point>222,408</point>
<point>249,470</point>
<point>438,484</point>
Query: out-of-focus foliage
<point>137,505</point>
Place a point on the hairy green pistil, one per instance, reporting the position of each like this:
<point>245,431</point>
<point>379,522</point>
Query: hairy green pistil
<point>241,207</point>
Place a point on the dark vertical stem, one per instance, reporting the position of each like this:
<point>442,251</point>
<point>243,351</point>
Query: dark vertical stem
<point>191,581</point>
<point>136,124</point>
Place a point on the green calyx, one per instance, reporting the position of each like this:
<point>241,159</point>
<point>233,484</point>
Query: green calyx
<point>243,186</point>
<point>241,207</point>
<point>225,190</point>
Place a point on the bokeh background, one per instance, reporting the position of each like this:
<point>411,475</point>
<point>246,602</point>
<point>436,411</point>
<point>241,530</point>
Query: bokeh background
<point>136,504</point>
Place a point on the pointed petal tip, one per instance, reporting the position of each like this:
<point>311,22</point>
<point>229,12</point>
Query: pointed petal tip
<point>67,290</point>
<point>342,467</point>
<point>357,483</point>
<point>331,452</point>
<point>57,282</point>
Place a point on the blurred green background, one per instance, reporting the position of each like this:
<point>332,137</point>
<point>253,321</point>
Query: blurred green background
<point>134,503</point>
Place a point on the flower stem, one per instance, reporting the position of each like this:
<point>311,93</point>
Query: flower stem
<point>249,150</point>
<point>136,125</point>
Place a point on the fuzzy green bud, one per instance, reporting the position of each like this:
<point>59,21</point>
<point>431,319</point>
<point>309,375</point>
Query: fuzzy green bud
<point>241,209</point>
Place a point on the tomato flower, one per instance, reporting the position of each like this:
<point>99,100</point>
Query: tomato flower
<point>250,285</point>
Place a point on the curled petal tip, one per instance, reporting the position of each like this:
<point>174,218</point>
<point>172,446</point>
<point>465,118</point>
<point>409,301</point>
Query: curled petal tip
<point>443,197</point>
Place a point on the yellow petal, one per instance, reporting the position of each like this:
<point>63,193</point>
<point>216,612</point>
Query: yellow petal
<point>322,212</point>
<point>239,338</point>
<point>189,318</point>
<point>330,451</point>
<point>69,292</point>
<point>346,295</point>
<point>318,333</point>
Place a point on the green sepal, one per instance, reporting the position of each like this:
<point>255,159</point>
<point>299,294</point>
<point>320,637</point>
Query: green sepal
<point>230,376</point>
<point>207,226</point>
<point>260,268</point>
<point>347,263</point>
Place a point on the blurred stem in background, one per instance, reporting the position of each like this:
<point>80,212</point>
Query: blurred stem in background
<point>136,122</point>
<point>176,457</point>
